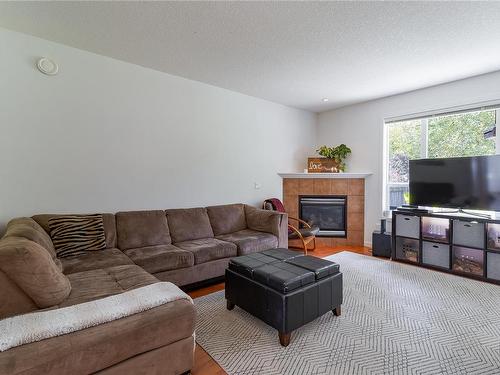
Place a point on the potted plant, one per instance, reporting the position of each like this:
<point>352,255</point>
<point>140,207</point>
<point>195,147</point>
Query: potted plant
<point>336,157</point>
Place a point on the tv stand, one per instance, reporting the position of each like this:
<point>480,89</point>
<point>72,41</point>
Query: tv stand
<point>465,212</point>
<point>448,242</point>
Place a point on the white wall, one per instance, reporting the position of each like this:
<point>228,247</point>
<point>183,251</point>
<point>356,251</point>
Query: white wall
<point>360,126</point>
<point>105,135</point>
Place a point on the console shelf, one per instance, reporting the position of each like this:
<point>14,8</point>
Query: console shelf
<point>458,244</point>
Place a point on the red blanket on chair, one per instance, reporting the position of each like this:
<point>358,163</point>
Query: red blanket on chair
<point>277,205</point>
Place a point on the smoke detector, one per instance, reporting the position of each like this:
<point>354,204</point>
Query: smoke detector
<point>47,66</point>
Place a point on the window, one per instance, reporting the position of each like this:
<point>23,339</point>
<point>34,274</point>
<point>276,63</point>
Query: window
<point>441,136</point>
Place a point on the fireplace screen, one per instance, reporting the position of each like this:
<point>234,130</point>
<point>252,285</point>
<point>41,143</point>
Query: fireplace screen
<point>326,212</point>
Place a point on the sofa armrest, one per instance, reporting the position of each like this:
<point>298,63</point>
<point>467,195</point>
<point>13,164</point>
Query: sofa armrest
<point>268,221</point>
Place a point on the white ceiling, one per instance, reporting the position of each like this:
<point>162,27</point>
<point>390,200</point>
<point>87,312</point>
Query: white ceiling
<point>289,53</point>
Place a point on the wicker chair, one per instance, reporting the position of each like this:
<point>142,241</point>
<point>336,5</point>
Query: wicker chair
<point>306,234</point>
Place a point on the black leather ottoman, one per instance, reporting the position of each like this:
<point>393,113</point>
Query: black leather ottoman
<point>284,288</point>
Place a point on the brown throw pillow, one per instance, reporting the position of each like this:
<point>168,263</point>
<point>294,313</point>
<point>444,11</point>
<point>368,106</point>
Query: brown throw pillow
<point>76,234</point>
<point>29,266</point>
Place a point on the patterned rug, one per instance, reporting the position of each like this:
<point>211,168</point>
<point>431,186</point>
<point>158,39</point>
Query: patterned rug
<point>396,319</point>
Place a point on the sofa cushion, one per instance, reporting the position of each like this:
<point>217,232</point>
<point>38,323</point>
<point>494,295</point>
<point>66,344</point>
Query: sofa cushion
<point>160,258</point>
<point>13,300</point>
<point>92,260</point>
<point>31,268</point>
<point>108,223</point>
<point>75,234</point>
<point>142,228</point>
<point>207,249</point>
<point>28,228</point>
<point>109,230</point>
<point>189,224</point>
<point>90,285</point>
<point>31,230</point>
<point>250,241</point>
<point>264,220</point>
<point>227,218</point>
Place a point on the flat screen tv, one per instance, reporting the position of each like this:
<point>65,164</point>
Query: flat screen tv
<point>467,182</point>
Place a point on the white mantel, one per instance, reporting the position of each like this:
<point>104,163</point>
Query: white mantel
<point>325,175</point>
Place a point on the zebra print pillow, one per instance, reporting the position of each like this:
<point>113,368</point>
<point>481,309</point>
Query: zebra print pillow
<point>76,234</point>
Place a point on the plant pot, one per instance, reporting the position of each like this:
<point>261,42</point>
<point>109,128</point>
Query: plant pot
<point>322,165</point>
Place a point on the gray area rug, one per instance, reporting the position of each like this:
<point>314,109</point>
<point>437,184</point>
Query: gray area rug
<point>396,319</point>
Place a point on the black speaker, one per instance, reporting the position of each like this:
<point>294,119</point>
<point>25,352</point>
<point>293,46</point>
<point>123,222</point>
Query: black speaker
<point>381,244</point>
<point>382,225</point>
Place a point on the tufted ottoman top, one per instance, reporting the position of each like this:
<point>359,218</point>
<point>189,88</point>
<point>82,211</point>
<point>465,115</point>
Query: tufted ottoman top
<point>283,270</point>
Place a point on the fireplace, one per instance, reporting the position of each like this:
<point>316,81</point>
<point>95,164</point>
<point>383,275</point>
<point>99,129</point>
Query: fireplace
<point>328,212</point>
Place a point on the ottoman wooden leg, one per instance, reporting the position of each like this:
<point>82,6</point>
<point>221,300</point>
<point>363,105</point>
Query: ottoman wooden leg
<point>337,311</point>
<point>229,305</point>
<point>284,338</point>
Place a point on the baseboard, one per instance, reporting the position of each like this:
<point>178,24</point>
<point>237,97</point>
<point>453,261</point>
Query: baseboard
<point>368,244</point>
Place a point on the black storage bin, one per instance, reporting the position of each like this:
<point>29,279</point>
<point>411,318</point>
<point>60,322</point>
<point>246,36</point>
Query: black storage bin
<point>468,233</point>
<point>408,226</point>
<point>436,254</point>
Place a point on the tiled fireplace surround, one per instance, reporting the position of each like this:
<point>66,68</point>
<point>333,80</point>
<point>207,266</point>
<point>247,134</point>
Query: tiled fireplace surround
<point>353,188</point>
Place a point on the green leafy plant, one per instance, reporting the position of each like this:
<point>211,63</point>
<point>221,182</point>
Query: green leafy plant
<point>406,197</point>
<point>338,153</point>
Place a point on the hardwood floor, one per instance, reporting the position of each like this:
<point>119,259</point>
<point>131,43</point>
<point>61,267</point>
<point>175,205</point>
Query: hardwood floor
<point>203,363</point>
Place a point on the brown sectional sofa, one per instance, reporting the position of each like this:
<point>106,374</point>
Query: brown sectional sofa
<point>183,246</point>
